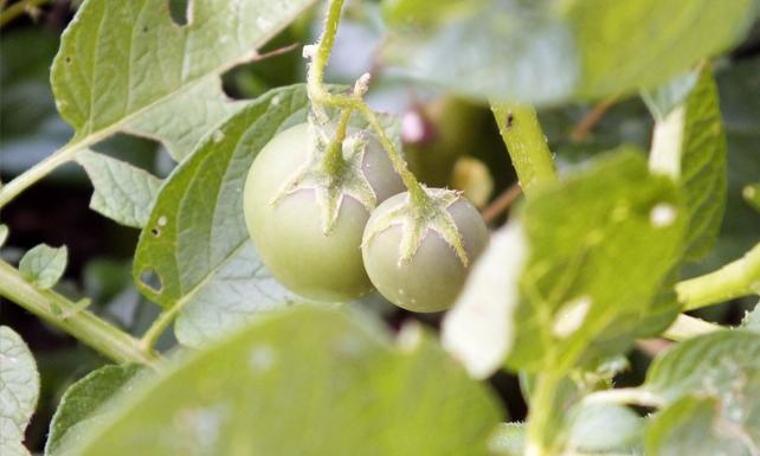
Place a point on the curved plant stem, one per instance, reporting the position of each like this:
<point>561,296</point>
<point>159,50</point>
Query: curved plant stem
<point>158,327</point>
<point>734,280</point>
<point>19,8</point>
<point>13,188</point>
<point>526,144</point>
<point>66,315</point>
<point>320,97</point>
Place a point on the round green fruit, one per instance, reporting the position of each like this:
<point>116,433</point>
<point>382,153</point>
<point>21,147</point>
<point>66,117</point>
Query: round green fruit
<point>287,225</point>
<point>429,276</point>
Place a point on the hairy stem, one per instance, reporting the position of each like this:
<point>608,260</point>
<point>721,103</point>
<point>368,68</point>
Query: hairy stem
<point>82,324</point>
<point>320,97</point>
<point>734,280</point>
<point>333,160</point>
<point>526,144</point>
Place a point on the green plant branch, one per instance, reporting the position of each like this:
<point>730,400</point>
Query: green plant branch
<point>17,9</point>
<point>60,157</point>
<point>736,279</point>
<point>158,327</point>
<point>526,144</point>
<point>66,315</point>
<point>686,327</point>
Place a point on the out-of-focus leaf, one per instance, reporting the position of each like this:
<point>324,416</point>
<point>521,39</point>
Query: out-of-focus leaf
<point>344,388</point>
<point>508,440</point>
<point>588,288</point>
<point>547,51</point>
<point>689,145</point>
<point>695,425</point>
<point>752,195</point>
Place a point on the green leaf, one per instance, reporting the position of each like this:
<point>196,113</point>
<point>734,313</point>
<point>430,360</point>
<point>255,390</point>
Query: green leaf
<point>123,192</point>
<point>709,364</point>
<point>19,391</point>
<point>605,429</point>
<point>44,265</point>
<point>549,51</point>
<point>195,244</point>
<point>334,385</point>
<point>697,425</point>
<point>508,440</point>
<point>710,385</point>
<point>664,99</point>
<point>751,320</point>
<point>588,288</point>
<point>241,290</point>
<point>126,66</point>
<point>689,145</point>
<point>752,195</point>
<point>80,403</point>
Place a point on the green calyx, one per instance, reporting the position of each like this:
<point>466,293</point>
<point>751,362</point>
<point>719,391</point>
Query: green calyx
<point>332,174</point>
<point>416,217</point>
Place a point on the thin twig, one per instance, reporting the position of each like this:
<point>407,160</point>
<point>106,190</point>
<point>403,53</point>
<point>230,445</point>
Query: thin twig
<point>501,203</point>
<point>589,121</point>
<point>276,52</point>
<point>19,8</point>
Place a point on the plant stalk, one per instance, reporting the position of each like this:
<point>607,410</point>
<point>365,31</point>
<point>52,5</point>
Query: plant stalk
<point>321,97</point>
<point>526,145</point>
<point>60,312</point>
<point>736,279</point>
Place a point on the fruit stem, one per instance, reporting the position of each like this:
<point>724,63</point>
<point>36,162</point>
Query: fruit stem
<point>320,98</point>
<point>66,315</point>
<point>526,144</point>
<point>333,160</point>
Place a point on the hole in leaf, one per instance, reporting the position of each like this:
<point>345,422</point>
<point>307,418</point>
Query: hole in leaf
<point>155,231</point>
<point>151,279</point>
<point>179,11</point>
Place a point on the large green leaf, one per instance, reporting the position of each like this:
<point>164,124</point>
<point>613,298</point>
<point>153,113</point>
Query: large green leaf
<point>689,145</point>
<point>126,66</point>
<point>695,425</point>
<point>739,87</point>
<point>551,50</point>
<point>195,243</point>
<point>304,382</point>
<point>78,407</point>
<point>19,390</point>
<point>711,386</point>
<point>587,289</point>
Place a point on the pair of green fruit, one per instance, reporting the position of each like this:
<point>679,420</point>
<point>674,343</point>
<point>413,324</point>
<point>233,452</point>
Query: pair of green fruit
<point>395,247</point>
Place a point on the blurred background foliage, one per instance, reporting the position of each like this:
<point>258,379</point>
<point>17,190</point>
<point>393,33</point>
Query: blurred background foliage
<point>448,141</point>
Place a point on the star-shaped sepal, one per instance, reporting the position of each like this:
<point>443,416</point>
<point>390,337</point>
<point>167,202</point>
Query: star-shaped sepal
<point>331,187</point>
<point>416,220</point>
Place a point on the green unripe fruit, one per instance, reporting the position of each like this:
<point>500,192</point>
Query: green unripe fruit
<point>429,277</point>
<point>287,226</point>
